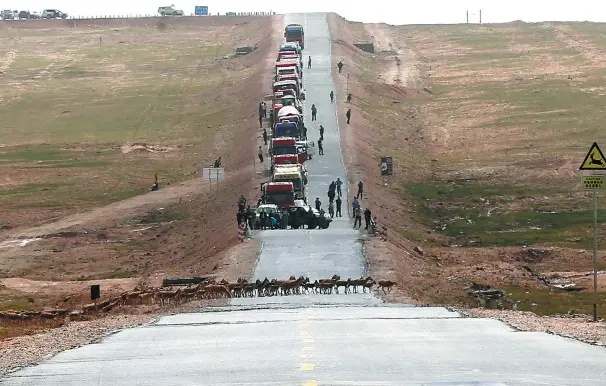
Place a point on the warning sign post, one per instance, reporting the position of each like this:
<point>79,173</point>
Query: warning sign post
<point>595,161</point>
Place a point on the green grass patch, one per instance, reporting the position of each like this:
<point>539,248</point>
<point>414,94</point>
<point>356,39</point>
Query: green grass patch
<point>553,301</point>
<point>29,189</point>
<point>17,303</point>
<point>161,216</point>
<point>479,212</point>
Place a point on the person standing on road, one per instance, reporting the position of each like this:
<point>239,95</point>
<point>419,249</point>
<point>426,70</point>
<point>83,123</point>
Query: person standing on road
<point>357,217</point>
<point>331,209</point>
<point>339,202</point>
<point>309,63</point>
<point>322,132</point>
<point>360,190</point>
<point>355,204</point>
<point>339,183</point>
<point>320,148</point>
<point>304,132</point>
<point>348,115</point>
<point>265,136</point>
<point>314,112</point>
<point>340,66</point>
<point>367,217</point>
<point>264,110</point>
<point>260,154</point>
<point>318,204</point>
<point>332,96</point>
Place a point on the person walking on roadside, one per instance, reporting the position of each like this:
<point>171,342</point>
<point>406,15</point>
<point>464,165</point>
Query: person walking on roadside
<point>264,110</point>
<point>304,132</point>
<point>320,147</point>
<point>261,114</point>
<point>314,112</point>
<point>260,154</point>
<point>339,183</point>
<point>309,63</point>
<point>265,136</point>
<point>338,201</point>
<point>357,217</point>
<point>340,66</point>
<point>348,115</point>
<point>322,132</point>
<point>367,217</point>
<point>360,190</point>
<point>332,96</point>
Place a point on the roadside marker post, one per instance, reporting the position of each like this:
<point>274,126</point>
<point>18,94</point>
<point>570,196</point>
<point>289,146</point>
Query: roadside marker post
<point>594,160</point>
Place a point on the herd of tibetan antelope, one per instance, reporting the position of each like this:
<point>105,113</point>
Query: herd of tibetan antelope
<point>210,289</point>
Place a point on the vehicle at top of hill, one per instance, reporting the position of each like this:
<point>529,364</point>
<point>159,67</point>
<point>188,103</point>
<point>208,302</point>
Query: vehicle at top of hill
<point>294,32</point>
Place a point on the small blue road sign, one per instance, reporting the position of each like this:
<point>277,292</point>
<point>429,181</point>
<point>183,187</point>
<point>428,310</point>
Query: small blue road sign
<point>201,10</point>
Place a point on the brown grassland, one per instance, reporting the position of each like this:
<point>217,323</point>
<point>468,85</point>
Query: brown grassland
<point>487,126</point>
<point>91,110</point>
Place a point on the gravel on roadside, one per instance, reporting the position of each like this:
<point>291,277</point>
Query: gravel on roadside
<point>31,349</point>
<point>580,328</point>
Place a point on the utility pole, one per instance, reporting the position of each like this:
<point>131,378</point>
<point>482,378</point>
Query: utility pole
<point>480,16</point>
<point>468,17</point>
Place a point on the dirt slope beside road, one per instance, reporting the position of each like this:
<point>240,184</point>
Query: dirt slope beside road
<point>477,194</point>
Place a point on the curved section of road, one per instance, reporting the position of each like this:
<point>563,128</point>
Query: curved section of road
<point>316,254</point>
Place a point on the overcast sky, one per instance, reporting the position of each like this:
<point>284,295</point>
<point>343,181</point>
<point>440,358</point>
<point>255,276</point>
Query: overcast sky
<point>388,11</point>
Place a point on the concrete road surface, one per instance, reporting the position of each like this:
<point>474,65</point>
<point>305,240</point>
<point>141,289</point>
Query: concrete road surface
<point>324,346</point>
<point>316,253</point>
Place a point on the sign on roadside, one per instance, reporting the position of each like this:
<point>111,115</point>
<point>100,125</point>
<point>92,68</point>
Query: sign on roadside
<point>593,182</point>
<point>386,166</point>
<point>201,10</point>
<point>594,160</point>
<point>213,174</point>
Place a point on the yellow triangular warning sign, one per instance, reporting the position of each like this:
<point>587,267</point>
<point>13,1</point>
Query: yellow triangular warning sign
<point>594,160</point>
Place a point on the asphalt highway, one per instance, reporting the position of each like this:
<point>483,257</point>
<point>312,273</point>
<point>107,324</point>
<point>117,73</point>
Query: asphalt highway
<point>318,253</point>
<point>324,346</point>
<point>321,339</point>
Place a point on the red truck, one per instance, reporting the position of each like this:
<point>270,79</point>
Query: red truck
<point>286,145</point>
<point>279,193</point>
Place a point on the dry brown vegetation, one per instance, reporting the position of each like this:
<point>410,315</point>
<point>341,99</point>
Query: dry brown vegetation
<point>487,125</point>
<point>86,125</point>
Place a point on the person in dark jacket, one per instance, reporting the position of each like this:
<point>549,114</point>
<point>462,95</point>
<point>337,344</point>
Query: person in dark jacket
<point>265,136</point>
<point>320,147</point>
<point>332,96</point>
<point>348,115</point>
<point>339,202</point>
<point>322,132</point>
<point>314,112</point>
<point>367,217</point>
<point>360,190</point>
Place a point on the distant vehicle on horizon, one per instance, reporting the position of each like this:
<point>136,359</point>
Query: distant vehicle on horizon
<point>170,11</point>
<point>7,14</point>
<point>53,14</point>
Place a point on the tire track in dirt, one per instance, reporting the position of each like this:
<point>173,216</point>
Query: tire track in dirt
<point>574,40</point>
<point>8,60</point>
<point>402,69</point>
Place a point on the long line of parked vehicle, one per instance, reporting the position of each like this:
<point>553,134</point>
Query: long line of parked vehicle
<point>7,14</point>
<point>289,147</point>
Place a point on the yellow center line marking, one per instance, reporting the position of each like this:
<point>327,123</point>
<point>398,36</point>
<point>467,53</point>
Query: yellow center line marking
<point>309,348</point>
<point>310,383</point>
<point>303,332</point>
<point>309,340</point>
<point>307,356</point>
<point>307,366</point>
